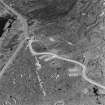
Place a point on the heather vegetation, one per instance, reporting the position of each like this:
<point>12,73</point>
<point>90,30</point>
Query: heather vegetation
<point>70,34</point>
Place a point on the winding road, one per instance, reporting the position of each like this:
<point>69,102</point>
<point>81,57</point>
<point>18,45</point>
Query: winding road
<point>30,41</point>
<point>66,59</point>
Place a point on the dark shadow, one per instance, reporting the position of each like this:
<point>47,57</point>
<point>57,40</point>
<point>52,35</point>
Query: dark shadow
<point>3,21</point>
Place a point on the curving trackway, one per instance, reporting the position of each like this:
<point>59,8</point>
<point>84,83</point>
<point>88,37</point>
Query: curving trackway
<point>66,59</point>
<point>30,41</point>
